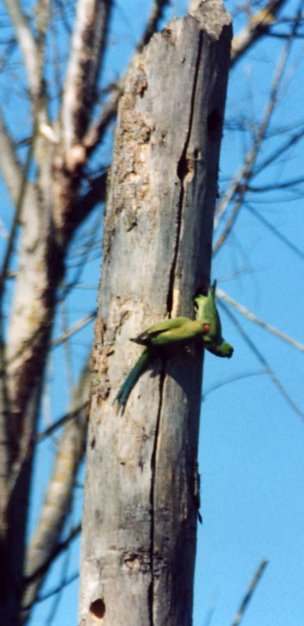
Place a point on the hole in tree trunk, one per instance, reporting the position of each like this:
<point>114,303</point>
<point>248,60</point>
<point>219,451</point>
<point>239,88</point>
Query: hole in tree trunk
<point>98,608</point>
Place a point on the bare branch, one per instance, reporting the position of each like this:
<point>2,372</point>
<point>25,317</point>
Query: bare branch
<point>88,41</point>
<point>264,362</point>
<point>285,35</point>
<point>84,205</point>
<point>41,268</point>
<point>250,591</point>
<point>287,242</point>
<point>30,50</point>
<point>11,169</point>
<point>154,18</point>
<point>58,549</point>
<point>210,615</point>
<point>96,132</point>
<point>257,27</point>
<point>287,184</point>
<point>8,479</point>
<point>231,379</point>
<point>19,192</point>
<point>62,581</point>
<point>290,142</point>
<point>239,185</point>
<point>253,318</point>
<point>57,589</point>
<point>44,544</point>
<point>75,328</point>
<point>74,414</point>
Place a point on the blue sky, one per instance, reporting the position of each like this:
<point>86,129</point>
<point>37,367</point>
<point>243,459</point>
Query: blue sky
<point>251,442</point>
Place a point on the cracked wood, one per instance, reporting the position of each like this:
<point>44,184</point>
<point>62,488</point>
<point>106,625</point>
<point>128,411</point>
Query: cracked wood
<point>139,526</point>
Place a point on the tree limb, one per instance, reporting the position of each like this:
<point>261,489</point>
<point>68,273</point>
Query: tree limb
<point>96,132</point>
<point>30,50</point>
<point>83,205</point>
<point>239,184</point>
<point>73,414</point>
<point>58,549</point>
<point>250,591</point>
<point>257,26</point>
<point>11,168</point>
<point>253,318</point>
<point>87,46</point>
<point>268,369</point>
<point>79,325</point>
<point>45,540</point>
<point>154,18</point>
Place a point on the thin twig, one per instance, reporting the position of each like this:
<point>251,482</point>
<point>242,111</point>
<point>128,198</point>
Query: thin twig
<point>229,380</point>
<point>257,320</point>
<point>292,182</point>
<point>57,597</point>
<point>256,28</point>
<point>61,422</point>
<point>154,18</point>
<point>59,548</point>
<point>239,184</point>
<point>69,332</point>
<point>249,593</point>
<point>57,589</point>
<point>290,244</point>
<point>285,35</point>
<point>278,152</point>
<point>268,369</point>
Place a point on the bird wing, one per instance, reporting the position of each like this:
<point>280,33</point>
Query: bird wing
<point>161,327</point>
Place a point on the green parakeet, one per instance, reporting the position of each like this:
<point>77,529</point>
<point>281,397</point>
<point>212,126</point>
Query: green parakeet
<point>207,312</point>
<point>206,328</point>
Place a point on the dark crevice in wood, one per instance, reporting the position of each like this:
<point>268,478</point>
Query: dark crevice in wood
<point>183,168</point>
<point>215,124</point>
<point>153,490</point>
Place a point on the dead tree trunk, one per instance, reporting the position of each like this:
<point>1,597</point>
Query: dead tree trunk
<point>139,528</point>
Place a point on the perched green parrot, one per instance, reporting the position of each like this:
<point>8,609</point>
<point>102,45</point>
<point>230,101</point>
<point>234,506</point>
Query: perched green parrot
<point>177,332</point>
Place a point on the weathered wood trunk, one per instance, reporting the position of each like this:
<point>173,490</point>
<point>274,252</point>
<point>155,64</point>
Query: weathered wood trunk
<point>139,527</point>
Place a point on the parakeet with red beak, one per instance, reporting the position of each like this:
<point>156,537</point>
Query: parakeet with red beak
<point>205,330</point>
<point>207,312</point>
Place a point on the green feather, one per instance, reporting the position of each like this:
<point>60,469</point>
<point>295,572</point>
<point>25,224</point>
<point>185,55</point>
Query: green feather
<point>181,330</point>
<point>173,331</point>
<point>132,378</point>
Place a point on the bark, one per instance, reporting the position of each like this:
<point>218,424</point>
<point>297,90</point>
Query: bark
<point>139,526</point>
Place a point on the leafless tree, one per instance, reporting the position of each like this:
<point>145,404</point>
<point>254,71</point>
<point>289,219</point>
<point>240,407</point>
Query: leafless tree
<point>58,106</point>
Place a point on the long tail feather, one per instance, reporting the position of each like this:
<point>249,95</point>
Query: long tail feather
<point>132,378</point>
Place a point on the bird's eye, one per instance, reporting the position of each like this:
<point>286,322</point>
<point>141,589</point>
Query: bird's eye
<point>206,328</point>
